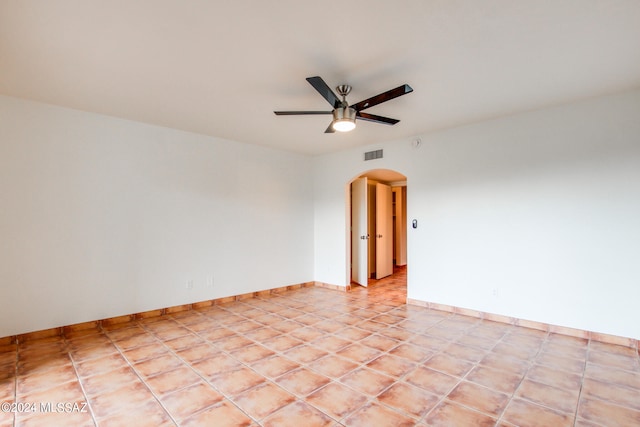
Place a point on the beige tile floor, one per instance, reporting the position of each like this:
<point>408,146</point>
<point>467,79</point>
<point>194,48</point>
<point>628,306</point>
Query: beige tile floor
<point>314,356</point>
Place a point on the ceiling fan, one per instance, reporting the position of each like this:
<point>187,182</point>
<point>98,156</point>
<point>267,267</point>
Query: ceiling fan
<point>344,115</point>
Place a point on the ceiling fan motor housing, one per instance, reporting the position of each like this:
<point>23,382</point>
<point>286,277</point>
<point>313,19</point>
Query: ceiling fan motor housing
<point>344,113</point>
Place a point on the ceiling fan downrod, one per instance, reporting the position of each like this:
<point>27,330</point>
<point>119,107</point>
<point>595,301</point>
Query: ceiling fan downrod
<point>343,90</point>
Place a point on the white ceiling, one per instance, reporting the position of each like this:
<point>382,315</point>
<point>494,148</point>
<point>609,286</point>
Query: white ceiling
<point>221,67</point>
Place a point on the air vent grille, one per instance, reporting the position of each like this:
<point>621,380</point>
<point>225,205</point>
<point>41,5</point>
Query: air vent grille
<point>371,155</point>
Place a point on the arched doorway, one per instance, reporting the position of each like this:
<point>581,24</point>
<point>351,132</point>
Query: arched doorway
<point>376,226</point>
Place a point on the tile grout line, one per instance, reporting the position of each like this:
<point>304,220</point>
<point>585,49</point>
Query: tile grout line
<point>524,376</point>
<point>15,383</point>
<point>463,378</point>
<point>444,395</point>
<point>374,399</point>
<point>120,351</point>
<point>84,392</point>
<point>531,363</point>
<point>363,365</point>
<point>149,331</point>
<point>306,365</point>
<point>360,365</point>
<point>227,397</point>
<point>246,365</point>
<point>584,371</point>
<point>598,398</point>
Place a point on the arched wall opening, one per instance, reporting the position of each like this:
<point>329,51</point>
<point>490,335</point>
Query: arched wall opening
<point>376,225</point>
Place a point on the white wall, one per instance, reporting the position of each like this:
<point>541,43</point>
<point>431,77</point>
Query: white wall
<point>535,216</point>
<point>101,217</point>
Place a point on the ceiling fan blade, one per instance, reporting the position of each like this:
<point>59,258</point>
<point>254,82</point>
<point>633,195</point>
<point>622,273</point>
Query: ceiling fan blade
<point>376,119</point>
<point>299,113</point>
<point>330,129</point>
<point>324,90</point>
<point>383,97</point>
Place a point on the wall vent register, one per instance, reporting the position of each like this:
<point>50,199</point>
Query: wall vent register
<point>371,155</point>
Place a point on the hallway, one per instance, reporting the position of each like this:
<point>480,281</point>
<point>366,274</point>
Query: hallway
<point>391,288</point>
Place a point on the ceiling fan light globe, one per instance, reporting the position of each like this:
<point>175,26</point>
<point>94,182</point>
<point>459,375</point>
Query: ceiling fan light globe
<point>344,125</point>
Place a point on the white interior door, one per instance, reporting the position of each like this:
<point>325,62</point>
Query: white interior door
<point>384,231</point>
<point>359,235</point>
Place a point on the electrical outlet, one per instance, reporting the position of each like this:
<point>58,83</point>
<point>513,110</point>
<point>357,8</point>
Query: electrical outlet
<point>189,284</point>
<point>210,282</point>
<point>494,292</point>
